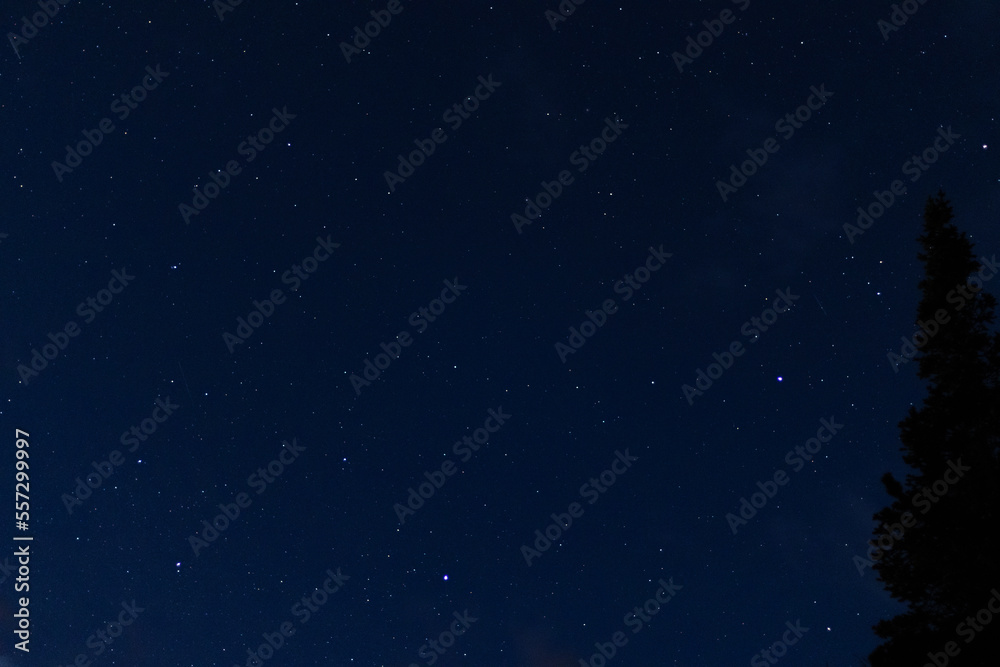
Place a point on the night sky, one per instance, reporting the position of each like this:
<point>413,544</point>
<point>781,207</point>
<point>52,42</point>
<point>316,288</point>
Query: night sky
<point>400,301</point>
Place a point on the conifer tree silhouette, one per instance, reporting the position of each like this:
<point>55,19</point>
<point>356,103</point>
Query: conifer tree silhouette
<point>946,565</point>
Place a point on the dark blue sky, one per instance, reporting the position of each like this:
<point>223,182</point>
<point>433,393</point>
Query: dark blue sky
<point>295,227</point>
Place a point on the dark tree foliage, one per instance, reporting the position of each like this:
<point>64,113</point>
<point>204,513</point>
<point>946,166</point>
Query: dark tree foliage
<point>946,565</point>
